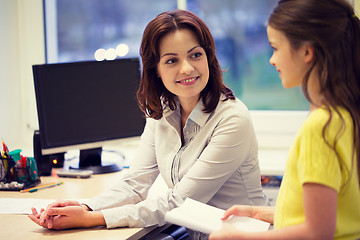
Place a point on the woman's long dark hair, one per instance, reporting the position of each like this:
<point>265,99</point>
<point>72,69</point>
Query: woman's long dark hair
<point>152,90</point>
<point>333,29</point>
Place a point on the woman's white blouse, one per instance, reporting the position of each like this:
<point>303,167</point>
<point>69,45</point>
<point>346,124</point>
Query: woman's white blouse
<point>217,164</point>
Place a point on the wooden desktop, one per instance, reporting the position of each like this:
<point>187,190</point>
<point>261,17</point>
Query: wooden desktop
<point>17,226</point>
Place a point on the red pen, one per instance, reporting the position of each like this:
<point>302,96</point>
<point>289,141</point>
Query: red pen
<point>5,149</point>
<point>23,161</point>
<point>5,155</point>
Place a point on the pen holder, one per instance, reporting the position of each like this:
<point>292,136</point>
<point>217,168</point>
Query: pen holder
<point>16,178</point>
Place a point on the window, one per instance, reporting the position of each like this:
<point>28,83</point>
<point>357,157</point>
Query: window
<point>76,30</point>
<point>88,29</point>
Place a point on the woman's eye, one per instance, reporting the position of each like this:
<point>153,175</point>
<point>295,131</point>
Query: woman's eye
<point>170,61</point>
<point>196,55</point>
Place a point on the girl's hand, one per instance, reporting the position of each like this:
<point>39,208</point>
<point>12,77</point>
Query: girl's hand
<point>263,213</point>
<point>229,232</point>
<point>239,210</point>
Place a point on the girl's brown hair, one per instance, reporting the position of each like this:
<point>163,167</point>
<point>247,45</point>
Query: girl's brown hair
<point>151,90</point>
<point>333,30</point>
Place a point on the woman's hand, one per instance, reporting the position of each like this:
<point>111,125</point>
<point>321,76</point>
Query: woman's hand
<point>45,217</point>
<point>74,217</point>
<point>35,217</point>
<point>63,214</point>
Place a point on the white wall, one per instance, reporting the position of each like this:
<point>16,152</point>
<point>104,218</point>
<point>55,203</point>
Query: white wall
<point>10,111</point>
<point>21,46</point>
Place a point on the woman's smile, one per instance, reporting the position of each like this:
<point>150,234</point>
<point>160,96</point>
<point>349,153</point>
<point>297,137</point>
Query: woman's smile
<point>188,81</point>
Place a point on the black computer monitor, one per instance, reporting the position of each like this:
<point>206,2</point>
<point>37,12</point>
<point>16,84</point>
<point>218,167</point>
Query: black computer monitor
<point>86,105</point>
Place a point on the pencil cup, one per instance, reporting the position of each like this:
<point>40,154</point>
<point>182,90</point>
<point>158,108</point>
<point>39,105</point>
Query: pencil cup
<point>14,177</point>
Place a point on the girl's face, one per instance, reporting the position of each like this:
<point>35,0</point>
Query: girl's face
<point>291,64</point>
<point>183,65</point>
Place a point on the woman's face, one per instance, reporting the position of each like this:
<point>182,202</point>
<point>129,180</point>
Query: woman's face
<point>289,63</point>
<point>183,65</point>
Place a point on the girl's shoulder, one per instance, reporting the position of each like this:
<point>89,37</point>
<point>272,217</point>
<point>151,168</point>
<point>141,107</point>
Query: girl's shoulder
<point>319,117</point>
<point>322,114</point>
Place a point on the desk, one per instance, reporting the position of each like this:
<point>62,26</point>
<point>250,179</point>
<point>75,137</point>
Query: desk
<point>21,227</point>
<point>272,162</point>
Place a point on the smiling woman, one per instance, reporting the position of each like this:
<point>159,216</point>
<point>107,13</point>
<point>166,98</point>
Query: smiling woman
<point>198,137</point>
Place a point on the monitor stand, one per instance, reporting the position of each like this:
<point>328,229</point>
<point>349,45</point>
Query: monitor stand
<point>90,159</point>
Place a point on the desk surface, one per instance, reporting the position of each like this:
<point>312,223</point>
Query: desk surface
<point>21,227</point>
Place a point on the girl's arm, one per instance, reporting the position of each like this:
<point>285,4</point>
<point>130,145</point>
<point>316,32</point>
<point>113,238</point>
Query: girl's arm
<point>320,204</point>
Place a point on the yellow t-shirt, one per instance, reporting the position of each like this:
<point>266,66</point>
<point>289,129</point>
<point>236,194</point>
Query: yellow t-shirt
<point>311,160</point>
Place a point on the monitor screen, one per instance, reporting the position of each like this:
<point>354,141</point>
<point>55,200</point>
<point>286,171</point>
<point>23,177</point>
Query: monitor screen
<point>86,105</point>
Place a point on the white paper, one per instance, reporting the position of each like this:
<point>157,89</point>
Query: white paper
<point>207,219</point>
<point>23,205</point>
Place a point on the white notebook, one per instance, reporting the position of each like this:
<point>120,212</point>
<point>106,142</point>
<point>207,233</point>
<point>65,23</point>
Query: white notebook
<point>204,218</point>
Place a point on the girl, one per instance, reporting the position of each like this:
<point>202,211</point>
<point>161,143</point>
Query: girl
<point>317,45</point>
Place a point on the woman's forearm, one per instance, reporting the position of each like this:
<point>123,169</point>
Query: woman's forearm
<point>94,219</point>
